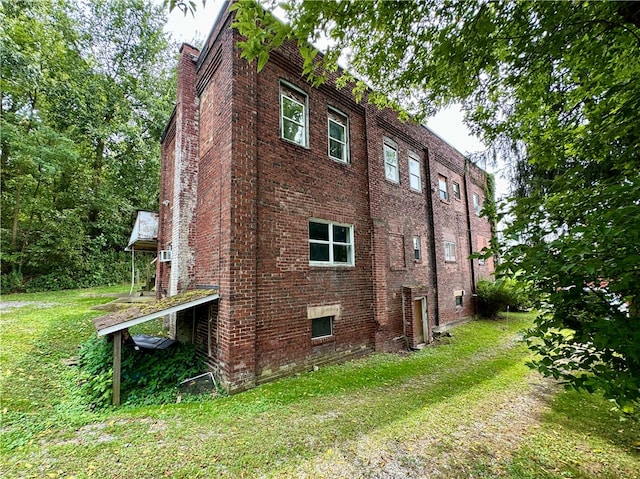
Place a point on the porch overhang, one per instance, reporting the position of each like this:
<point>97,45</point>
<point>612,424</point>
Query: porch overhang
<point>115,323</point>
<point>120,320</point>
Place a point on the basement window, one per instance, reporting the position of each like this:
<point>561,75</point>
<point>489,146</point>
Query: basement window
<point>294,116</point>
<point>322,327</point>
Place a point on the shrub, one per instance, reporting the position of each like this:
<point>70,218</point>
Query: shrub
<point>147,377</point>
<point>11,282</point>
<point>495,296</point>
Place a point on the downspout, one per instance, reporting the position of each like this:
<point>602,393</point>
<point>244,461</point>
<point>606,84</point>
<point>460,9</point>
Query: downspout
<point>469,235</point>
<point>432,232</point>
<point>404,322</point>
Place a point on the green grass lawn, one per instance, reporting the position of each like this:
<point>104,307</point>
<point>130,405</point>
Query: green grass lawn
<point>467,407</point>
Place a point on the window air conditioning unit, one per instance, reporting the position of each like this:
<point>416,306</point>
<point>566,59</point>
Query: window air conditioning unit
<point>164,256</point>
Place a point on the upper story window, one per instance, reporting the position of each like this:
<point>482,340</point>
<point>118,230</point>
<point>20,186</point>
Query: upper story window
<point>294,115</point>
<point>417,254</point>
<point>330,244</point>
<point>442,188</point>
<point>477,204</point>
<point>415,176</point>
<point>338,127</point>
<point>391,171</point>
<point>449,251</point>
<point>456,190</point>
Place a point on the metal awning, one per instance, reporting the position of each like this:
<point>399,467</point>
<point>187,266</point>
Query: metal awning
<point>120,320</point>
<point>144,236</point>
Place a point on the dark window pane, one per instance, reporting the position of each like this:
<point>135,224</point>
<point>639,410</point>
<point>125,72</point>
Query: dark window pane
<point>340,253</point>
<point>336,131</point>
<point>318,252</point>
<point>340,234</point>
<point>321,327</point>
<point>318,231</point>
<point>336,149</point>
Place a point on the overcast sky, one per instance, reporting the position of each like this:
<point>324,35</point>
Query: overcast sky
<point>447,124</point>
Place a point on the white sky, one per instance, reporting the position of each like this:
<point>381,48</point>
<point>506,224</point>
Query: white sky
<point>448,124</point>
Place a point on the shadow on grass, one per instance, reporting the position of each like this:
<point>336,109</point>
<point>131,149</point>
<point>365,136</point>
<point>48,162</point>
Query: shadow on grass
<point>300,418</point>
<point>598,417</point>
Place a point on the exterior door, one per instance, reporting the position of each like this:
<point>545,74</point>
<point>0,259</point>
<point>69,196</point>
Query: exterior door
<point>421,323</point>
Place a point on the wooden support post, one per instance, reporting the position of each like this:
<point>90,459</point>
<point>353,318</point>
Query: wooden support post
<point>117,353</point>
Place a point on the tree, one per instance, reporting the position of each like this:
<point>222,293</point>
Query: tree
<point>86,90</point>
<point>553,87</point>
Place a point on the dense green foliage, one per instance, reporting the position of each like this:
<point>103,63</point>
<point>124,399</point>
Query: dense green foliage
<point>504,294</point>
<point>147,377</point>
<point>86,90</point>
<point>554,89</point>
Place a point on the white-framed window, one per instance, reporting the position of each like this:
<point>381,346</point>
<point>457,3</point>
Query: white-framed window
<point>294,115</point>
<point>417,250</point>
<point>477,205</point>
<point>391,171</point>
<point>330,243</point>
<point>338,132</point>
<point>415,176</point>
<point>322,327</point>
<point>449,251</point>
<point>443,192</point>
<point>456,190</point>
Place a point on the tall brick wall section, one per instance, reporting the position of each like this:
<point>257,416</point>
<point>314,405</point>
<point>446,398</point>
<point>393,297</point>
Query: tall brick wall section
<point>296,184</point>
<point>399,214</point>
<point>165,216</point>
<point>179,182</point>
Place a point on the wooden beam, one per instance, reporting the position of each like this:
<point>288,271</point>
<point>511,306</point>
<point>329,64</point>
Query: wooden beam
<point>117,353</point>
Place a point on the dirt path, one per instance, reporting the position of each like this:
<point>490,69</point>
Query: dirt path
<point>483,437</point>
<point>8,305</point>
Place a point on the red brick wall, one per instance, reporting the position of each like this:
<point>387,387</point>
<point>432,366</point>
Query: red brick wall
<point>256,193</point>
<point>295,184</point>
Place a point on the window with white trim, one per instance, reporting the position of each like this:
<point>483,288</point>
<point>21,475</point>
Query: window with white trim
<point>322,327</point>
<point>415,176</point>
<point>442,188</point>
<point>449,251</point>
<point>294,115</point>
<point>391,171</point>
<point>417,254</point>
<point>330,244</point>
<point>338,132</point>
<point>477,205</point>
<point>456,190</point>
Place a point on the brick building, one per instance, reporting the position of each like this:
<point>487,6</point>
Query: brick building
<point>330,228</point>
